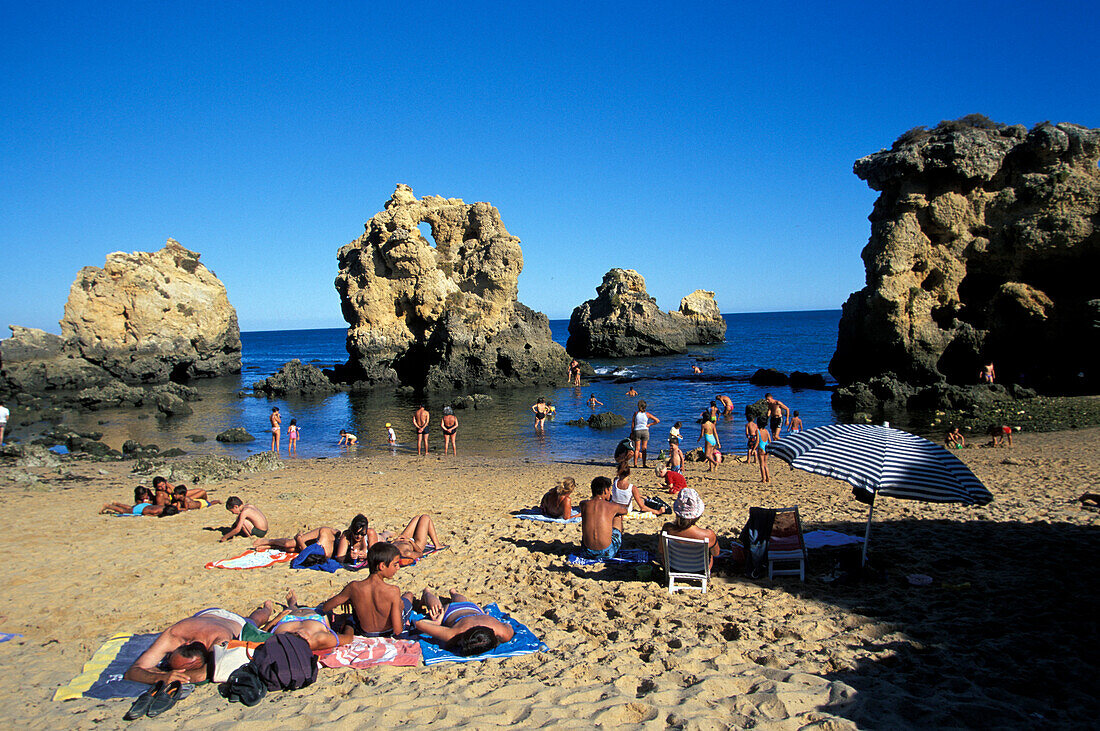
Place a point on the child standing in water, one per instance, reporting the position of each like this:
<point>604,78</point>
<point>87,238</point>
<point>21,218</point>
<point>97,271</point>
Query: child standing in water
<point>292,437</point>
<point>276,421</point>
<point>391,435</point>
<point>347,438</point>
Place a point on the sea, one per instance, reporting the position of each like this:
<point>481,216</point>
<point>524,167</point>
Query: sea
<point>787,341</point>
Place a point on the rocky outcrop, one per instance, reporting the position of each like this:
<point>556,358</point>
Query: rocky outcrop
<point>142,318</point>
<point>985,243</point>
<point>623,320</point>
<point>296,377</point>
<point>443,316</point>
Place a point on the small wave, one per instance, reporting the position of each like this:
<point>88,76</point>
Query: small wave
<point>614,371</point>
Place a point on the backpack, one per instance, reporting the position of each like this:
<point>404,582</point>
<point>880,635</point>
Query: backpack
<point>285,662</point>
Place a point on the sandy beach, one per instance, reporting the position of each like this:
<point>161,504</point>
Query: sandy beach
<point>1005,635</point>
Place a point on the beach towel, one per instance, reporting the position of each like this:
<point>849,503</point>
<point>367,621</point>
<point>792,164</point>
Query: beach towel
<point>536,514</point>
<point>364,652</point>
<point>523,642</point>
<point>824,538</point>
<point>626,556</point>
<point>5,636</point>
<point>314,556</point>
<point>102,675</point>
<point>252,559</point>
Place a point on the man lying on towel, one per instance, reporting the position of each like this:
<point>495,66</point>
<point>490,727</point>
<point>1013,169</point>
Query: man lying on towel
<point>183,651</point>
<point>462,627</point>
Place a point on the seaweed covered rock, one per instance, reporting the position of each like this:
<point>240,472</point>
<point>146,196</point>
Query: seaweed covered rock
<point>984,247</point>
<point>443,316</point>
<point>623,320</point>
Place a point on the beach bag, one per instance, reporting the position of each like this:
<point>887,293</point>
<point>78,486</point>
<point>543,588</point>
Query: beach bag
<point>285,662</point>
<point>230,655</point>
<point>243,686</point>
<point>656,503</point>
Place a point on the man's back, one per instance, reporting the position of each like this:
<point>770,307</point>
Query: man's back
<point>597,517</point>
<point>372,601</point>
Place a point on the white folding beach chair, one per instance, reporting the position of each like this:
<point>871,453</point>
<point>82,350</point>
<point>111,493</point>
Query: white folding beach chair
<point>685,559</point>
<point>786,544</point>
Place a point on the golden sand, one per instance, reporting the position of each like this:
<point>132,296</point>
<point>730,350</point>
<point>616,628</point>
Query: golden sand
<point>1006,634</point>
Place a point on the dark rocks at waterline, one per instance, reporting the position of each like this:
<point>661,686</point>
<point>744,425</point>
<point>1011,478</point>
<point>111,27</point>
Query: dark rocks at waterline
<point>202,470</point>
<point>886,393</point>
<point>297,378</point>
<point>196,438</point>
<point>797,379</point>
<point>473,401</point>
<point>810,381</point>
<point>606,420</point>
<point>170,404</point>
<point>577,422</point>
<point>236,435</point>
<point>769,377</point>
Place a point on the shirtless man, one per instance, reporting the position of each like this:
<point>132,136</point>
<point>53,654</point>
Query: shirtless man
<point>778,414</point>
<point>186,646</point>
<point>324,536</point>
<point>727,404</point>
<point>463,627</point>
<point>307,623</point>
<point>601,522</point>
<point>250,521</point>
<point>420,421</point>
<point>417,536</point>
<point>276,421</point>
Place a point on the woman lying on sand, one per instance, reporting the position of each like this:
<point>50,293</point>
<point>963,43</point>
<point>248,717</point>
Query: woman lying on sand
<point>143,499</point>
<point>463,627</point>
<point>346,546</point>
<point>308,624</point>
<point>417,536</point>
<point>558,501</point>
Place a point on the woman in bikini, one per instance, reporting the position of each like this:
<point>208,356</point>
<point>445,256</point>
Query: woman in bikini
<point>308,624</point>
<point>463,627</point>
<point>143,505</point>
<point>449,425</point>
<point>352,544</point>
<point>417,536</point>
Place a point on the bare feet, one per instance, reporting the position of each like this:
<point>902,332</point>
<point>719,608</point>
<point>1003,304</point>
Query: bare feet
<point>291,600</point>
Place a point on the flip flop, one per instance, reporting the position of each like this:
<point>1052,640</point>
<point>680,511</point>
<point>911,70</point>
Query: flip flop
<point>141,705</point>
<point>165,699</point>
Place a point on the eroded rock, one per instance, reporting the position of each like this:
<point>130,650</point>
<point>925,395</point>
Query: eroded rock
<point>623,320</point>
<point>984,246</point>
<point>442,316</point>
<point>297,378</point>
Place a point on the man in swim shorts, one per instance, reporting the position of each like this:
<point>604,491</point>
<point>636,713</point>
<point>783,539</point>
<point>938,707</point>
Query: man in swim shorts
<point>601,522</point>
<point>420,422</point>
<point>777,411</point>
<point>182,652</point>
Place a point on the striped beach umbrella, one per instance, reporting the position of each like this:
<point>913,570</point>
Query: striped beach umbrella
<point>878,460</point>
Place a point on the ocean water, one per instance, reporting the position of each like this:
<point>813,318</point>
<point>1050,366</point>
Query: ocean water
<point>786,340</point>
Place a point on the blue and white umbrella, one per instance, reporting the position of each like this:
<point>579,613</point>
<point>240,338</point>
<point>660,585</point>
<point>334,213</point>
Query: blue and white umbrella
<point>878,460</point>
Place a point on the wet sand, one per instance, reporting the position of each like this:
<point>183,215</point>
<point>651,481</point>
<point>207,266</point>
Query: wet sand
<point>1006,634</point>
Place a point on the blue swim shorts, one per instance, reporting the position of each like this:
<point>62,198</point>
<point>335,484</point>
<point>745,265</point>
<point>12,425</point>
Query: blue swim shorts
<point>610,551</point>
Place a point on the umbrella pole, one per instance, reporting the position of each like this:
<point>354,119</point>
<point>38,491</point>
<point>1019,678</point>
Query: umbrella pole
<point>867,534</point>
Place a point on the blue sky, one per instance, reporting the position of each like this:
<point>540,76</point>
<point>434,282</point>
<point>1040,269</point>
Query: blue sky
<point>705,145</point>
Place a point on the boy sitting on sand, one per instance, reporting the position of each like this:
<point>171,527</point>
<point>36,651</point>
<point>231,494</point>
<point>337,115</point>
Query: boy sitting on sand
<point>250,523</point>
<point>377,608</point>
<point>601,522</point>
<point>674,481</point>
<point>955,439</point>
<point>688,508</point>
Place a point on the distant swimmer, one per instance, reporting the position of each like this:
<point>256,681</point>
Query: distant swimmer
<point>631,393</point>
<point>695,368</point>
<point>727,404</point>
<point>593,402</point>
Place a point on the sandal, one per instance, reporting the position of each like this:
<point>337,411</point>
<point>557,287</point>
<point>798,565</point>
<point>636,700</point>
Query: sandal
<point>165,699</point>
<point>141,706</point>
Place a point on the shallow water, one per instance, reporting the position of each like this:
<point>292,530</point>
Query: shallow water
<point>787,341</point>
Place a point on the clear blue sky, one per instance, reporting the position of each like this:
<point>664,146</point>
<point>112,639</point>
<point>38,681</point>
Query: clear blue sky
<point>705,145</point>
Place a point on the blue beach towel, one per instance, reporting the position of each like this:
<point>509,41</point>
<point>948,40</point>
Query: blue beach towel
<point>329,564</point>
<point>101,676</point>
<point>523,642</point>
<point>626,556</point>
<point>5,636</point>
<point>823,538</point>
<point>536,514</point>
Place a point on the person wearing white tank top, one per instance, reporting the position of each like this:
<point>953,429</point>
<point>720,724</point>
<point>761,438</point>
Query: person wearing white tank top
<point>642,420</point>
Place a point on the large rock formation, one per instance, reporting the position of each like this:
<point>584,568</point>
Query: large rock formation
<point>625,321</point>
<point>443,316</point>
<point>984,246</point>
<point>143,318</point>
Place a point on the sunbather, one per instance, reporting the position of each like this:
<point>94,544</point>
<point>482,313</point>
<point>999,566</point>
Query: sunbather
<point>462,627</point>
<point>183,650</point>
<point>558,501</point>
<point>324,536</point>
<point>143,505</point>
<point>182,499</point>
<point>688,508</point>
<point>352,544</point>
<point>417,536</point>
<point>307,623</point>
